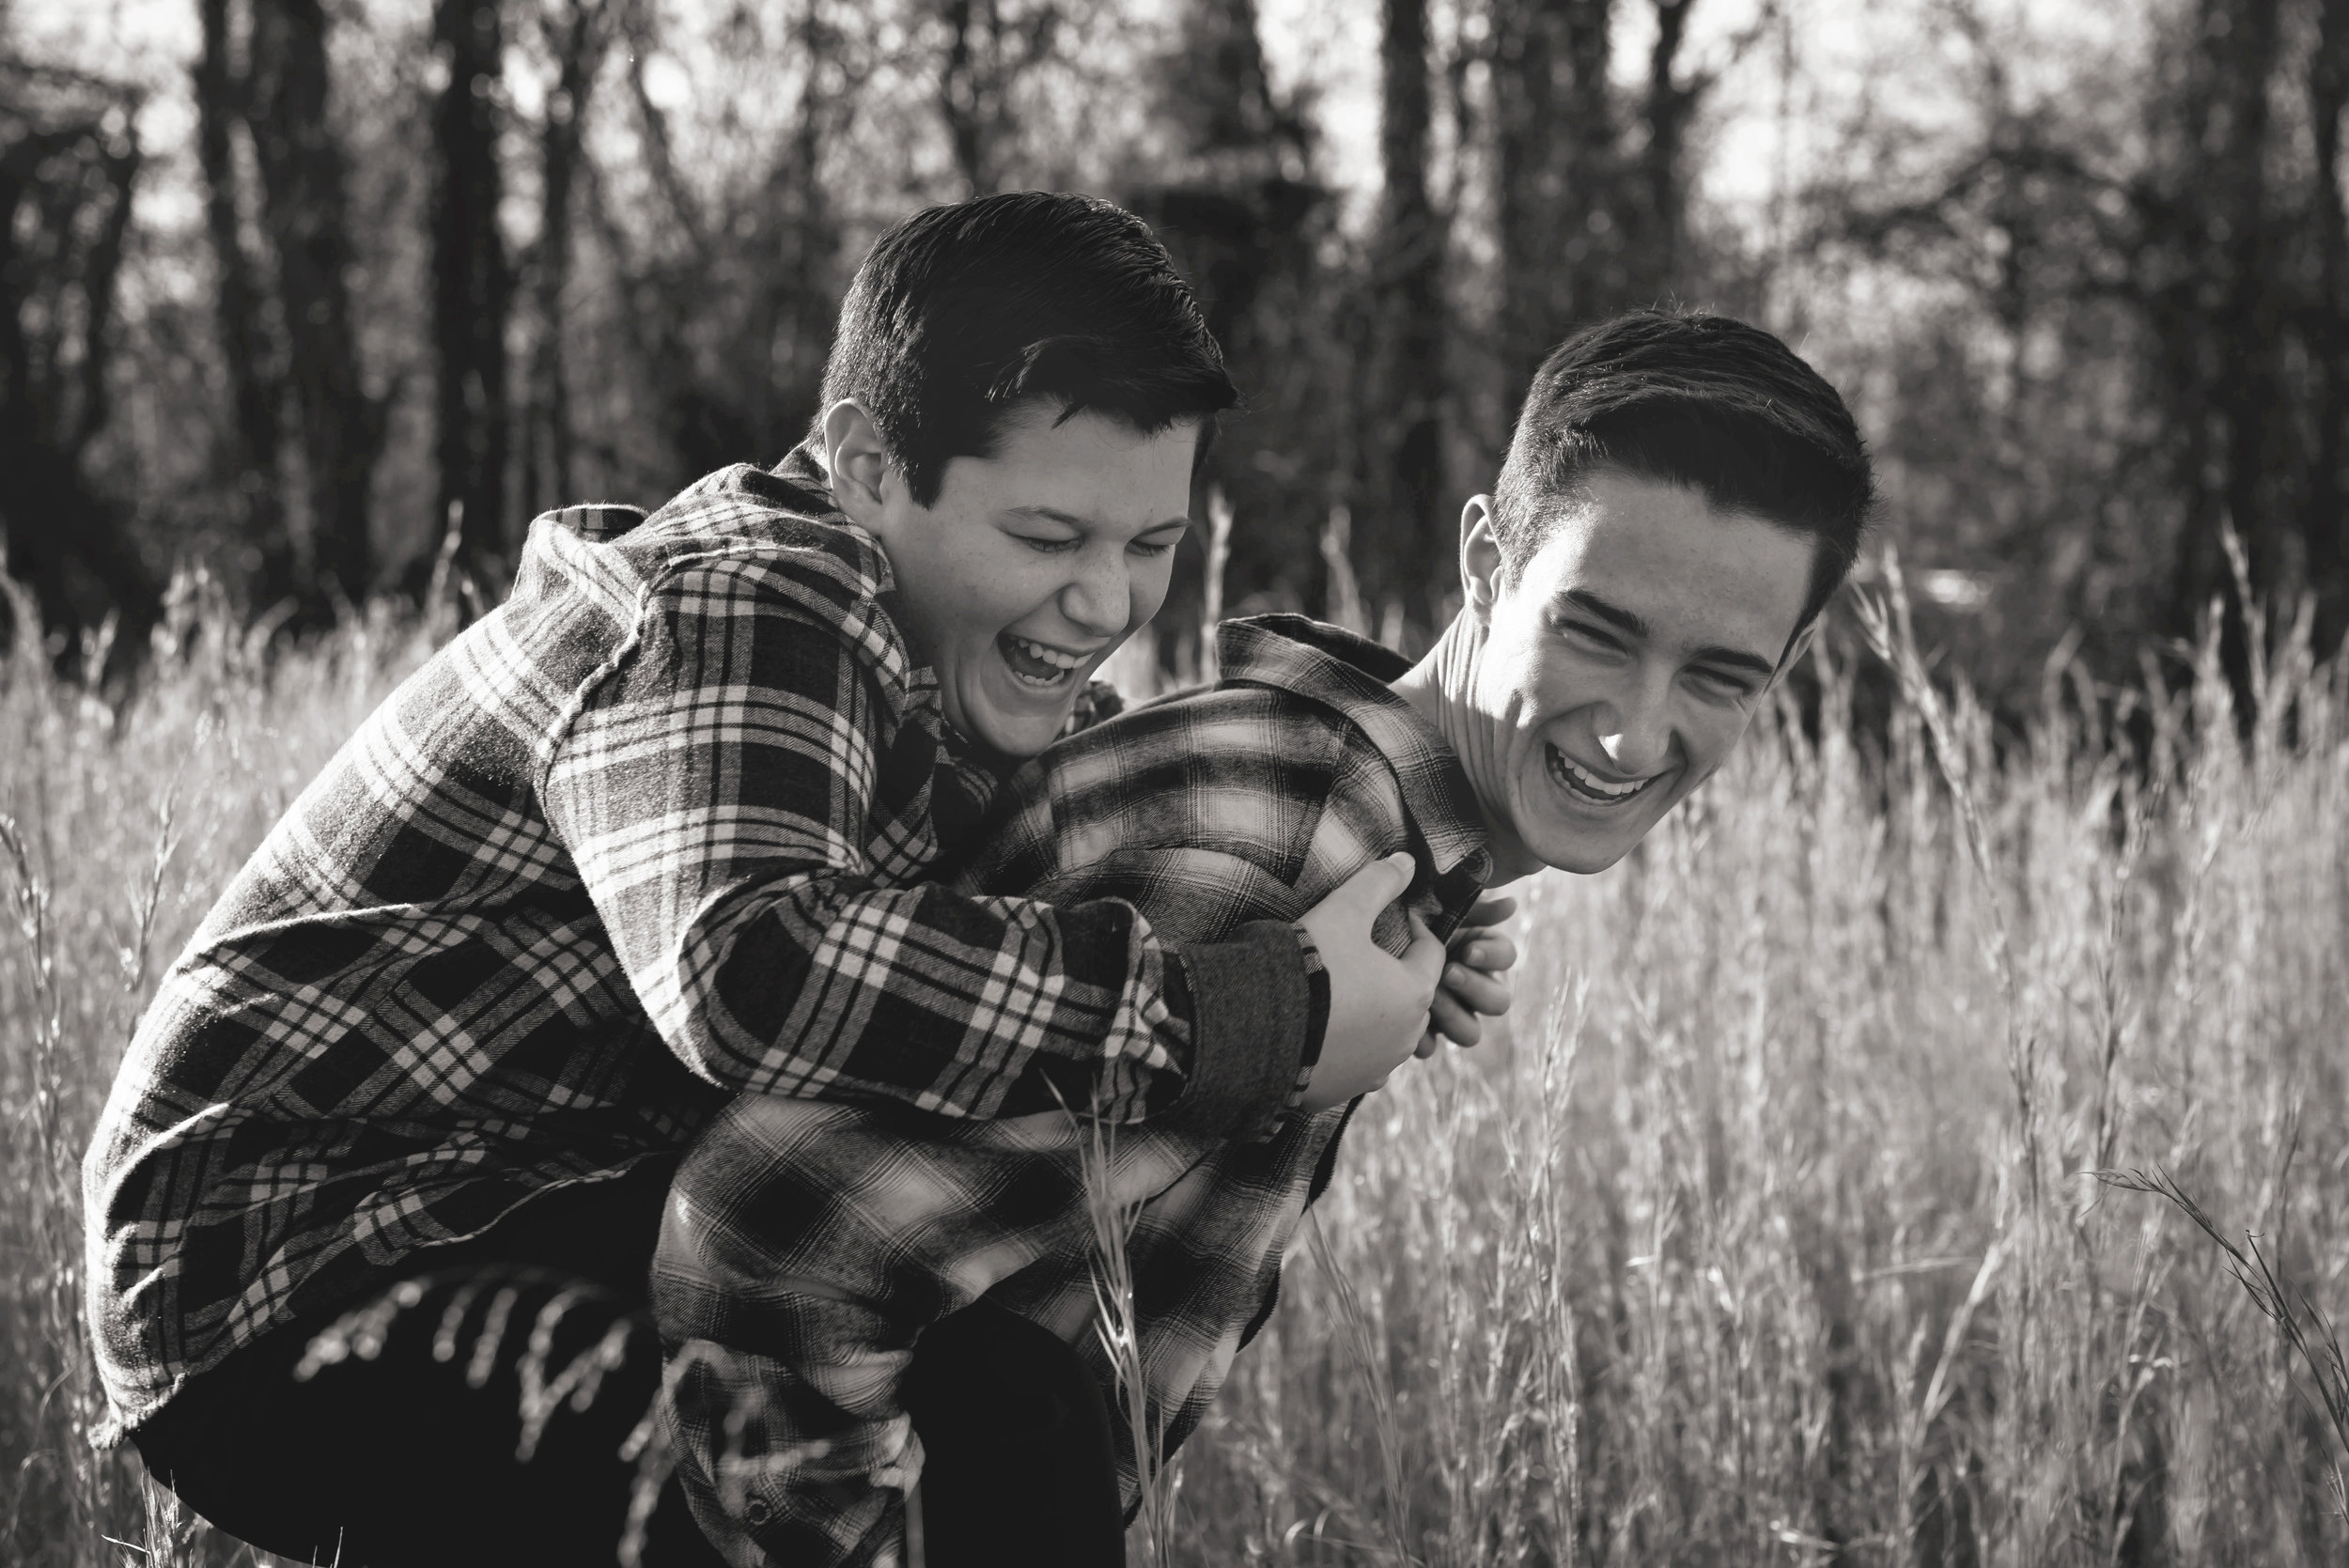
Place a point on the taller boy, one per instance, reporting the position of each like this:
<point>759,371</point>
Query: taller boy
<point>1682,495</point>
<point>655,831</point>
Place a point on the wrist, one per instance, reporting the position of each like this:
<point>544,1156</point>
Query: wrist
<point>1316,1017</point>
<point>1258,1006</point>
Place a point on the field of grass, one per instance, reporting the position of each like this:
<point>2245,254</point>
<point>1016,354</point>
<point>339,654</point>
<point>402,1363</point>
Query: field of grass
<point>1766,1235</point>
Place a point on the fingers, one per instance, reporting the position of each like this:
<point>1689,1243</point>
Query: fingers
<point>1451,1020</point>
<point>1355,903</point>
<point>1491,909</point>
<point>1425,959</point>
<point>1475,990</point>
<point>1395,870</point>
<point>1428,1043</point>
<point>1377,884</point>
<point>1488,950</point>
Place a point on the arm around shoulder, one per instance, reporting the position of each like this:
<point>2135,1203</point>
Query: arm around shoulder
<point>744,793</point>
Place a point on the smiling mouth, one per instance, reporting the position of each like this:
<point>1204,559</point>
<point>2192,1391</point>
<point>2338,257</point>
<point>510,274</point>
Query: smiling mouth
<point>1039,664</point>
<point>1584,786</point>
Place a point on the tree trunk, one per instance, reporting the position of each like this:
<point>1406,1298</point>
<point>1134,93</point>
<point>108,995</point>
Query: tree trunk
<point>811,301</point>
<point>2323,523</point>
<point>65,181</point>
<point>1670,103</point>
<point>472,282</point>
<point>1556,176</point>
<point>2250,327</point>
<point>1406,282</point>
<point>2223,317</point>
<point>307,217</point>
<point>551,478</point>
<point>964,97</point>
<point>255,389</point>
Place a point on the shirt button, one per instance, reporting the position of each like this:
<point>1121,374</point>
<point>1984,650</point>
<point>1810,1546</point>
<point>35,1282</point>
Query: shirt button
<point>758,1513</point>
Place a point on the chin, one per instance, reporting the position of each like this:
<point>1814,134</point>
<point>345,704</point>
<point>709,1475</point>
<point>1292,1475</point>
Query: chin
<point>1025,736</point>
<point>1584,860</point>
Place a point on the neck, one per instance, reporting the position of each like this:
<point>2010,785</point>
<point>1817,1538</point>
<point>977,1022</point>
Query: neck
<point>1442,687</point>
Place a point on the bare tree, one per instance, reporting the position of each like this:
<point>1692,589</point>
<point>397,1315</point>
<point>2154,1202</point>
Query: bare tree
<point>1236,202</point>
<point>2323,516</point>
<point>1406,534</point>
<point>2223,356</point>
<point>69,157</point>
<point>578,32</point>
<point>1671,104</point>
<point>729,283</point>
<point>306,212</point>
<point>1555,172</point>
<point>253,440</point>
<point>473,280</point>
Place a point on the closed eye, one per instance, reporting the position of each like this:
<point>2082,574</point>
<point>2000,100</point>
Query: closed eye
<point>1595,636</point>
<point>1047,547</point>
<point>1151,546</point>
<point>1719,683</point>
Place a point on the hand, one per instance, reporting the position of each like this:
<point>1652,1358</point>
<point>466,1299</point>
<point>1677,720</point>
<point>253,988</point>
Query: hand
<point>1471,978</point>
<point>1378,1003</point>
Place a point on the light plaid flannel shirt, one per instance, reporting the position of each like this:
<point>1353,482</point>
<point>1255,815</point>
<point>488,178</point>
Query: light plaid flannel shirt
<point>806,1246</point>
<point>646,835</point>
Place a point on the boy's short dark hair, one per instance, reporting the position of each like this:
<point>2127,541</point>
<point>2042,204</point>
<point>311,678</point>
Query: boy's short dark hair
<point>1703,401</point>
<point>961,315</point>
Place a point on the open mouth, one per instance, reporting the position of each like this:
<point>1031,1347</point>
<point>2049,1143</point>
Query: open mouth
<point>1039,664</point>
<point>1584,786</point>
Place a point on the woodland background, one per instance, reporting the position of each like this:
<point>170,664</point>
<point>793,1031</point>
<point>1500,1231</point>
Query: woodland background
<point>291,289</point>
<point>1770,1229</point>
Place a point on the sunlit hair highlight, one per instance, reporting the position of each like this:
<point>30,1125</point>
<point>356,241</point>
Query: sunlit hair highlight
<point>1703,401</point>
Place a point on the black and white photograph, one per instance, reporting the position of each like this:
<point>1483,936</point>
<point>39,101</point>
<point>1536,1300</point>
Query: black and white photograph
<point>1174,784</point>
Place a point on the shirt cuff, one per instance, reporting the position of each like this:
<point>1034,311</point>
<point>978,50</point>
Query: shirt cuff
<point>1259,1003</point>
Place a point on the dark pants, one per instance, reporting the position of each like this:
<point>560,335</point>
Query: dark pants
<point>1017,1465</point>
<point>411,1455</point>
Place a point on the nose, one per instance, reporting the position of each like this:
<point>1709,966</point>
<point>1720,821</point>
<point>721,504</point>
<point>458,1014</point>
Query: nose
<point>1098,596</point>
<point>1635,728</point>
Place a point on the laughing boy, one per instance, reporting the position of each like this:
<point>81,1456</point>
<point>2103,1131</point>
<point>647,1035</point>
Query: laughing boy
<point>657,832</point>
<point>1682,496</point>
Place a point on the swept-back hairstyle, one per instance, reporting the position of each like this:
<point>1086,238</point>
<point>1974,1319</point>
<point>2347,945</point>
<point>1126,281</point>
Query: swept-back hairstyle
<point>961,316</point>
<point>1703,401</point>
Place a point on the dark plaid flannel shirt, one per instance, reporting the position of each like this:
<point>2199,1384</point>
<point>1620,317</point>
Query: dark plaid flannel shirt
<point>644,836</point>
<point>806,1246</point>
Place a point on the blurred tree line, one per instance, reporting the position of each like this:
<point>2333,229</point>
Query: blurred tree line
<point>419,269</point>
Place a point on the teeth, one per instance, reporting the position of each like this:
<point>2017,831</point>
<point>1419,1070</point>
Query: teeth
<point>1595,786</point>
<point>1053,656</point>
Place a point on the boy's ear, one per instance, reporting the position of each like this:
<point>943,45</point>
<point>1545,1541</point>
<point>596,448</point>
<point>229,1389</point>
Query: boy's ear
<point>857,460</point>
<point>1480,555</point>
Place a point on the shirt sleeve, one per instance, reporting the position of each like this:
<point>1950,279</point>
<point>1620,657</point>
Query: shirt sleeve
<point>723,789</point>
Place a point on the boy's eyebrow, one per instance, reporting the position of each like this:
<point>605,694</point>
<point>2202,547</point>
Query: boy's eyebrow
<point>1070,519</point>
<point>1614,615</point>
<point>1625,620</point>
<point>1714,653</point>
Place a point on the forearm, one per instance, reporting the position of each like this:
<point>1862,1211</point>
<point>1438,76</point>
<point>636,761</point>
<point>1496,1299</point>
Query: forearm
<point>753,853</point>
<point>823,985</point>
<point>1259,1003</point>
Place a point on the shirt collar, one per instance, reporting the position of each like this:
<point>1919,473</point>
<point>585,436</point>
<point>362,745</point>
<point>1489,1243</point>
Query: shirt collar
<point>1351,674</point>
<point>800,483</point>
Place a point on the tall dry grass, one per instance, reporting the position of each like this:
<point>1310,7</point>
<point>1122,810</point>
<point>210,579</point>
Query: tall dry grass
<point>122,812</point>
<point>1769,1236</point>
<point>1765,1236</point>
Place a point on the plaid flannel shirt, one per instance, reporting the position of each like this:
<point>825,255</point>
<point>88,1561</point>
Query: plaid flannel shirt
<point>646,834</point>
<point>805,1247</point>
